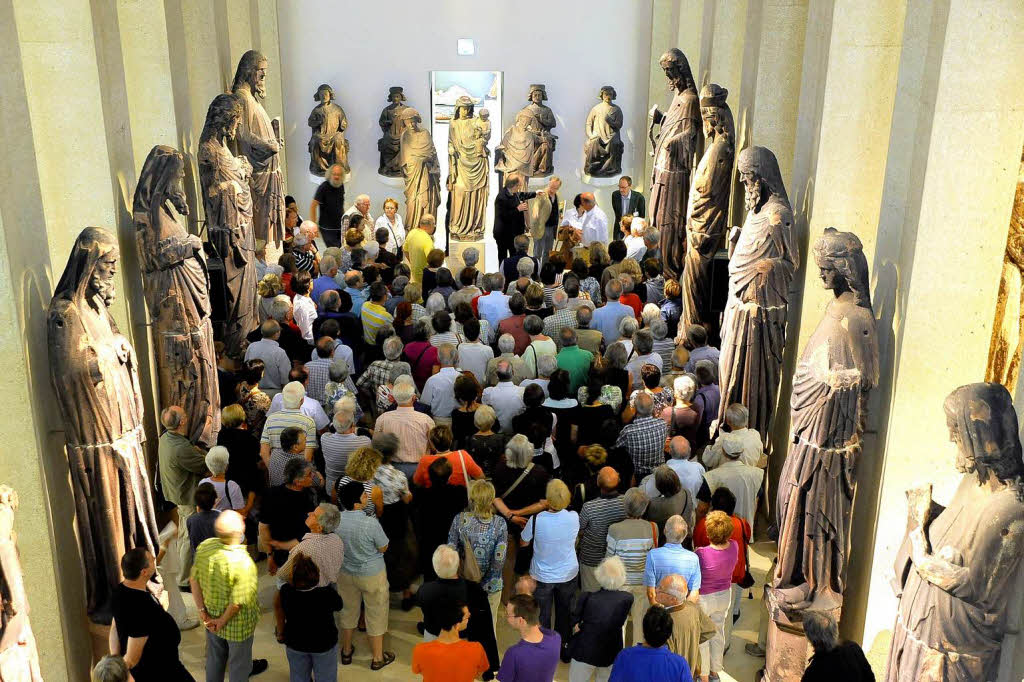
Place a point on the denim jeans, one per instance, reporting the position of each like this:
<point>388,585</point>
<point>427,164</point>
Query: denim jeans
<point>303,667</point>
<point>561,596</point>
<point>234,657</point>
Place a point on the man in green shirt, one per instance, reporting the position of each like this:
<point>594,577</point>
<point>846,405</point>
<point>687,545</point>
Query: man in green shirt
<point>574,359</point>
<point>418,244</point>
<point>224,586</point>
<point>182,466</point>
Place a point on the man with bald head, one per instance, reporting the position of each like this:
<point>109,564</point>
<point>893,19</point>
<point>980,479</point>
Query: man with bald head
<point>594,225</point>
<point>690,625</point>
<point>224,584</point>
<point>690,471</point>
<point>595,518</point>
<point>672,558</point>
<point>182,466</point>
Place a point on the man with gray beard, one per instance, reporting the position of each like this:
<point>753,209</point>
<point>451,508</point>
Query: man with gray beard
<point>328,205</point>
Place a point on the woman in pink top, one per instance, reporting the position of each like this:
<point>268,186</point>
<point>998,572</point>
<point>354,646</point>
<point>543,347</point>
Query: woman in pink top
<point>717,562</point>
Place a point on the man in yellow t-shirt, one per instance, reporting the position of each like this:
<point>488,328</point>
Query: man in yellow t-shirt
<point>418,243</point>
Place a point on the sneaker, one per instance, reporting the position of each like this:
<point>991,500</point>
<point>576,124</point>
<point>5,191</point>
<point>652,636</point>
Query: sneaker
<point>259,665</point>
<point>754,649</point>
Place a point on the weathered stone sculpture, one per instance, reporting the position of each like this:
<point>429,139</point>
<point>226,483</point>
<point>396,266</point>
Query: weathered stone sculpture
<point>177,287</point>
<point>542,162</point>
<point>259,141</point>
<point>224,179</point>
<point>468,173</point>
<point>94,372</point>
<point>708,210</point>
<point>760,270</point>
<point>19,658</point>
<point>602,150</point>
<point>673,158</point>
<point>327,144</point>
<point>959,566</point>
<point>420,168</point>
<point>518,146</point>
<point>391,134</point>
<point>837,369</point>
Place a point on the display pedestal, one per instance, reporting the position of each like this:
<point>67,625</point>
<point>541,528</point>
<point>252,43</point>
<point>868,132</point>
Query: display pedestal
<point>787,649</point>
<point>391,182</point>
<point>317,179</point>
<point>455,249</point>
<point>539,183</point>
<point>602,182</point>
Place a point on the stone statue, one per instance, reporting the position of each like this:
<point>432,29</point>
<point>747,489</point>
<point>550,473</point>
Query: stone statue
<point>602,150</point>
<point>674,151</point>
<point>708,210</point>
<point>259,141</point>
<point>542,164</point>
<point>959,566</point>
<point>837,369</point>
<point>422,172</point>
<point>327,144</point>
<point>224,180</point>
<point>760,270</point>
<point>468,173</point>
<point>94,372</point>
<point>19,658</point>
<point>483,123</point>
<point>177,287</point>
<point>515,152</point>
<point>1006,348</point>
<point>391,134</point>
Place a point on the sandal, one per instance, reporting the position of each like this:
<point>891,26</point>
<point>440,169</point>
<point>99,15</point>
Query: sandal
<point>346,659</point>
<point>388,659</point>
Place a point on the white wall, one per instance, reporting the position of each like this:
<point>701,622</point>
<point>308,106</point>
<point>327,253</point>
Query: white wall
<point>362,47</point>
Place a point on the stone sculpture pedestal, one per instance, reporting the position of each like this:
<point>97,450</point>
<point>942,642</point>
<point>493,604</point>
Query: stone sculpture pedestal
<point>602,182</point>
<point>455,249</point>
<point>392,182</point>
<point>787,647</point>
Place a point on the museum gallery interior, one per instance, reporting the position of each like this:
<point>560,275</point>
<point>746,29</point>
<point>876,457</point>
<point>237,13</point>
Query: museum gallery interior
<point>281,277</point>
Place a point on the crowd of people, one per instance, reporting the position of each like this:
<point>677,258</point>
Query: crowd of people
<point>537,444</point>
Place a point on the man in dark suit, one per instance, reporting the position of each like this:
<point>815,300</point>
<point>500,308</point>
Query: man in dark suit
<point>626,198</point>
<point>510,209</point>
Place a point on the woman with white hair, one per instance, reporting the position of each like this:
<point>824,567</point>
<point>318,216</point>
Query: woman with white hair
<point>229,494</point>
<point>685,416</point>
<point>598,620</point>
<point>627,328</point>
<point>520,486</point>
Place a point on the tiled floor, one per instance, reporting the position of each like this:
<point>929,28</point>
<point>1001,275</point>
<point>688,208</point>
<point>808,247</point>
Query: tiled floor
<point>403,637</point>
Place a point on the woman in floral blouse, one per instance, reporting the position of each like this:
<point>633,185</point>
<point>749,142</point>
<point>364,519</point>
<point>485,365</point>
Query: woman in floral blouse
<point>487,534</point>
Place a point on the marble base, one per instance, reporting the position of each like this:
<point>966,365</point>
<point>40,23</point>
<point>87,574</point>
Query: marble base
<point>602,182</point>
<point>390,182</point>
<point>539,183</point>
<point>788,648</point>
<point>455,249</point>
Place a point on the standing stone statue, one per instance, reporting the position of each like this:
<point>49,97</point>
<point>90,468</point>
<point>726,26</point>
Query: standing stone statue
<point>515,152</point>
<point>224,179</point>
<point>708,210</point>
<point>837,369</point>
<point>542,164</point>
<point>327,144</point>
<point>674,151</point>
<point>420,167</point>
<point>259,141</point>
<point>468,173</point>
<point>19,657</point>
<point>94,372</point>
<point>391,129</point>
<point>760,270</point>
<point>602,150</point>
<point>177,287</point>
<point>959,567</point>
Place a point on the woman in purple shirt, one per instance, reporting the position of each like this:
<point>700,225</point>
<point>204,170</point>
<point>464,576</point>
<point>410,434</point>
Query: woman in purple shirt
<point>717,562</point>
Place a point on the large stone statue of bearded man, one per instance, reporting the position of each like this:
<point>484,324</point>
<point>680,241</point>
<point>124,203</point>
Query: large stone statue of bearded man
<point>259,141</point>
<point>94,372</point>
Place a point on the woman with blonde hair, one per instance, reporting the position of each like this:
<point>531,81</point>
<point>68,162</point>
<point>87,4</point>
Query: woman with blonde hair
<point>267,288</point>
<point>391,221</point>
<point>717,562</point>
<point>484,534</point>
<point>555,567</point>
<point>599,259</point>
<point>362,467</point>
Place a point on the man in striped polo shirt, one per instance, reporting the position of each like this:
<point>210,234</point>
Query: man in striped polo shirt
<point>291,416</point>
<point>595,518</point>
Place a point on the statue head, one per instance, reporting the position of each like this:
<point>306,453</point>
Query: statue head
<point>252,70</point>
<point>677,70</point>
<point>607,94</point>
<point>395,94</point>
<point>983,426</point>
<point>843,267</point>
<point>464,107</point>
<point>89,273</point>
<point>761,178</point>
<point>538,93</point>
<point>162,179</point>
<point>524,120</point>
<point>324,94</point>
<point>222,118</point>
<point>410,118</point>
<point>484,114</point>
<point>715,113</point>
